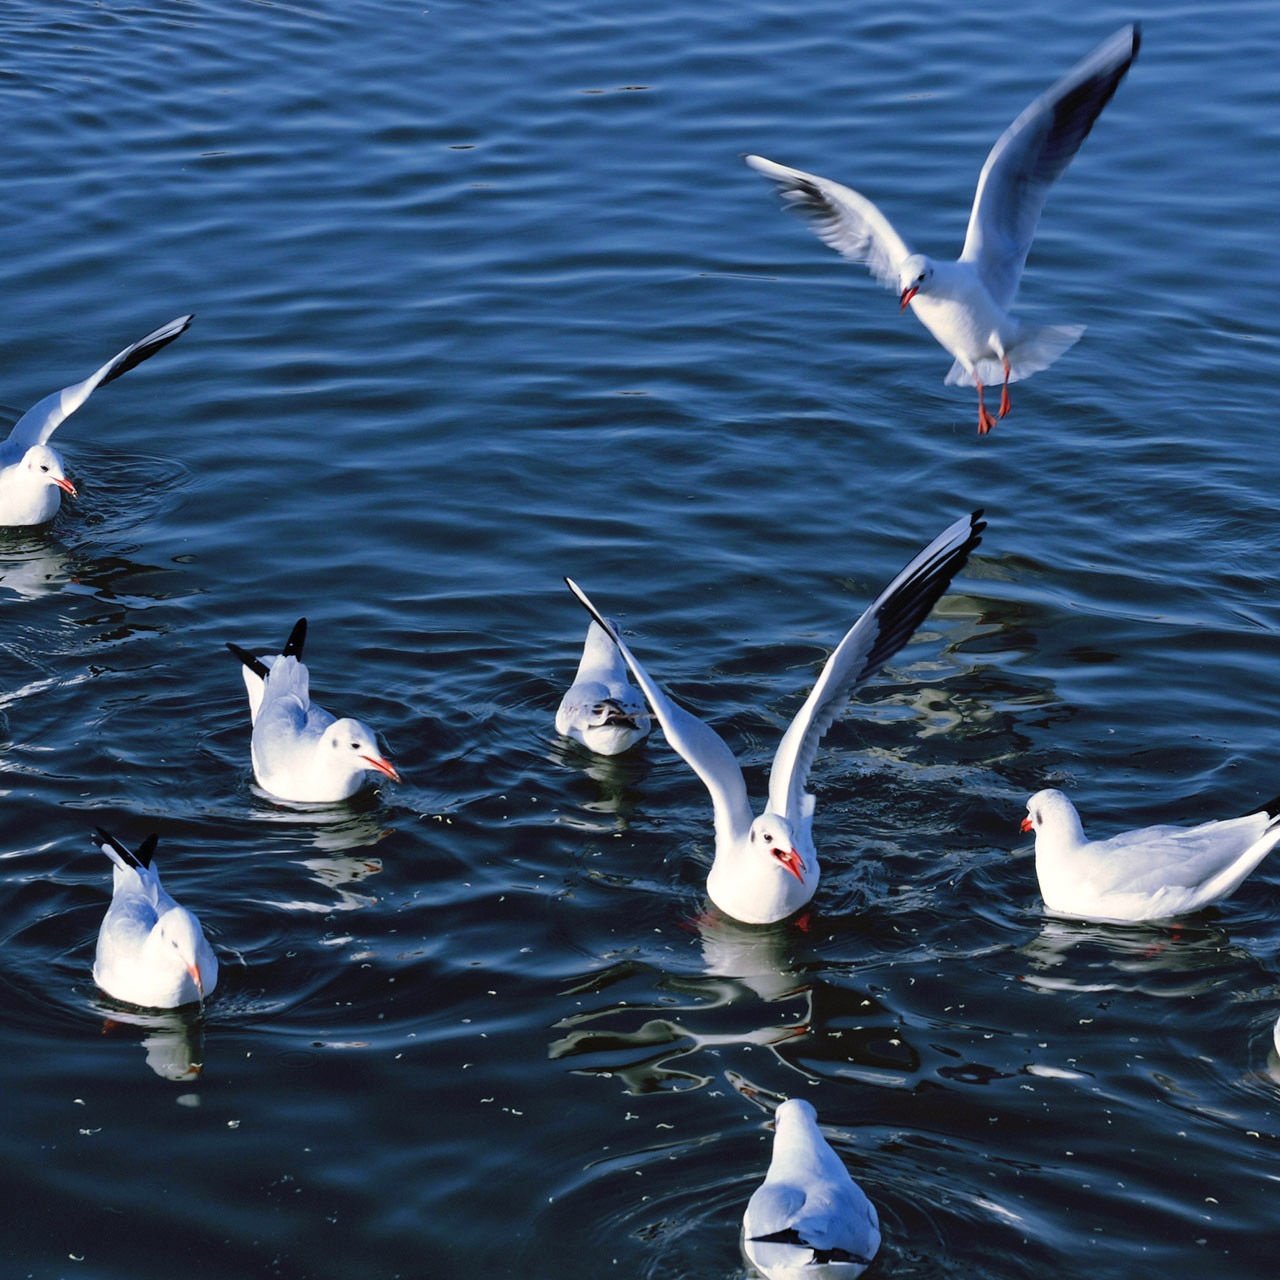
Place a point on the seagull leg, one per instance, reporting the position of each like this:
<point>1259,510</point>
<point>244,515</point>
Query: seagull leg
<point>1005,406</point>
<point>985,420</point>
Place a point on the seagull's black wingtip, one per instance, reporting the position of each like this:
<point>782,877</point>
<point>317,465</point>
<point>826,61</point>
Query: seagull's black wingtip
<point>601,621</point>
<point>256,665</point>
<point>1271,808</point>
<point>297,638</point>
<point>141,859</point>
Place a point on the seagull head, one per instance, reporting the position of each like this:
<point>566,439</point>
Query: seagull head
<point>771,837</point>
<point>45,467</point>
<point>915,275</point>
<point>180,931</point>
<point>1050,808</point>
<point>794,1111</point>
<point>352,748</point>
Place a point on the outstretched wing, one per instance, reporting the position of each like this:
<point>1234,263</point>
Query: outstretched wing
<point>881,631</point>
<point>701,747</point>
<point>1030,156</point>
<point>45,416</point>
<point>840,217</point>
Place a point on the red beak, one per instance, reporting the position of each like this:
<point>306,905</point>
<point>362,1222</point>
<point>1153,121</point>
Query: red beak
<point>194,971</point>
<point>1027,824</point>
<point>791,860</point>
<point>907,295</point>
<point>382,766</point>
<point>67,487</point>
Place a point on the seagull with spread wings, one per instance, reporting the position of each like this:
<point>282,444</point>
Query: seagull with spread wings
<point>766,868</point>
<point>32,477</point>
<point>965,304</point>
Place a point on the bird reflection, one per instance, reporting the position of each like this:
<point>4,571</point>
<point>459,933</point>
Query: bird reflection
<point>761,957</point>
<point>32,563</point>
<point>174,1039</point>
<point>617,779</point>
<point>744,966</point>
<point>337,873</point>
<point>334,830</point>
<point>1177,958</point>
<point>35,563</point>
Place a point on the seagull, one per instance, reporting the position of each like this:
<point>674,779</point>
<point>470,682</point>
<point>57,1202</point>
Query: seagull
<point>151,951</point>
<point>1147,874</point>
<point>965,304</point>
<point>601,709</point>
<point>766,869</point>
<point>32,479</point>
<point>301,752</point>
<point>808,1218</point>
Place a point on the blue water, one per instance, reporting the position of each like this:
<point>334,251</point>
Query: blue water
<point>484,296</point>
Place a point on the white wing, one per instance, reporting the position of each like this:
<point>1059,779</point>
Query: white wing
<point>44,417</point>
<point>1030,156</point>
<point>881,631</point>
<point>701,747</point>
<point>840,217</point>
<point>1207,857</point>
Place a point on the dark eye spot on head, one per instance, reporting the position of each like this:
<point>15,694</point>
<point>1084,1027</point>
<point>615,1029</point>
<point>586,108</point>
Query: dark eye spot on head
<point>768,839</point>
<point>355,746</point>
<point>43,467</point>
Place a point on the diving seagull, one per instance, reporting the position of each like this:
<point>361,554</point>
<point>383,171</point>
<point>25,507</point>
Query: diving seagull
<point>1147,874</point>
<point>965,304</point>
<point>808,1219</point>
<point>600,709</point>
<point>151,952</point>
<point>32,479</point>
<point>300,751</point>
<point>766,869</point>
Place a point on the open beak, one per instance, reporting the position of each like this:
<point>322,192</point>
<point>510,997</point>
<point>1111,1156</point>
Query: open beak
<point>791,860</point>
<point>907,295</point>
<point>382,766</point>
<point>1027,824</point>
<point>66,486</point>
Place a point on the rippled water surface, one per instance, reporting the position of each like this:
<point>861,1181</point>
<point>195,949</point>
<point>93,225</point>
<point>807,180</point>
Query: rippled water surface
<point>485,296</point>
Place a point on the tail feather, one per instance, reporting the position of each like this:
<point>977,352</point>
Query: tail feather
<point>1036,349</point>
<point>289,676</point>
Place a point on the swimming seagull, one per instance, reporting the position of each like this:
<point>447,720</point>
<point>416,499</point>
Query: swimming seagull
<point>808,1218</point>
<point>767,868</point>
<point>151,952</point>
<point>601,709</point>
<point>1146,874</point>
<point>301,752</point>
<point>32,479</point>
<point>965,304</point>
